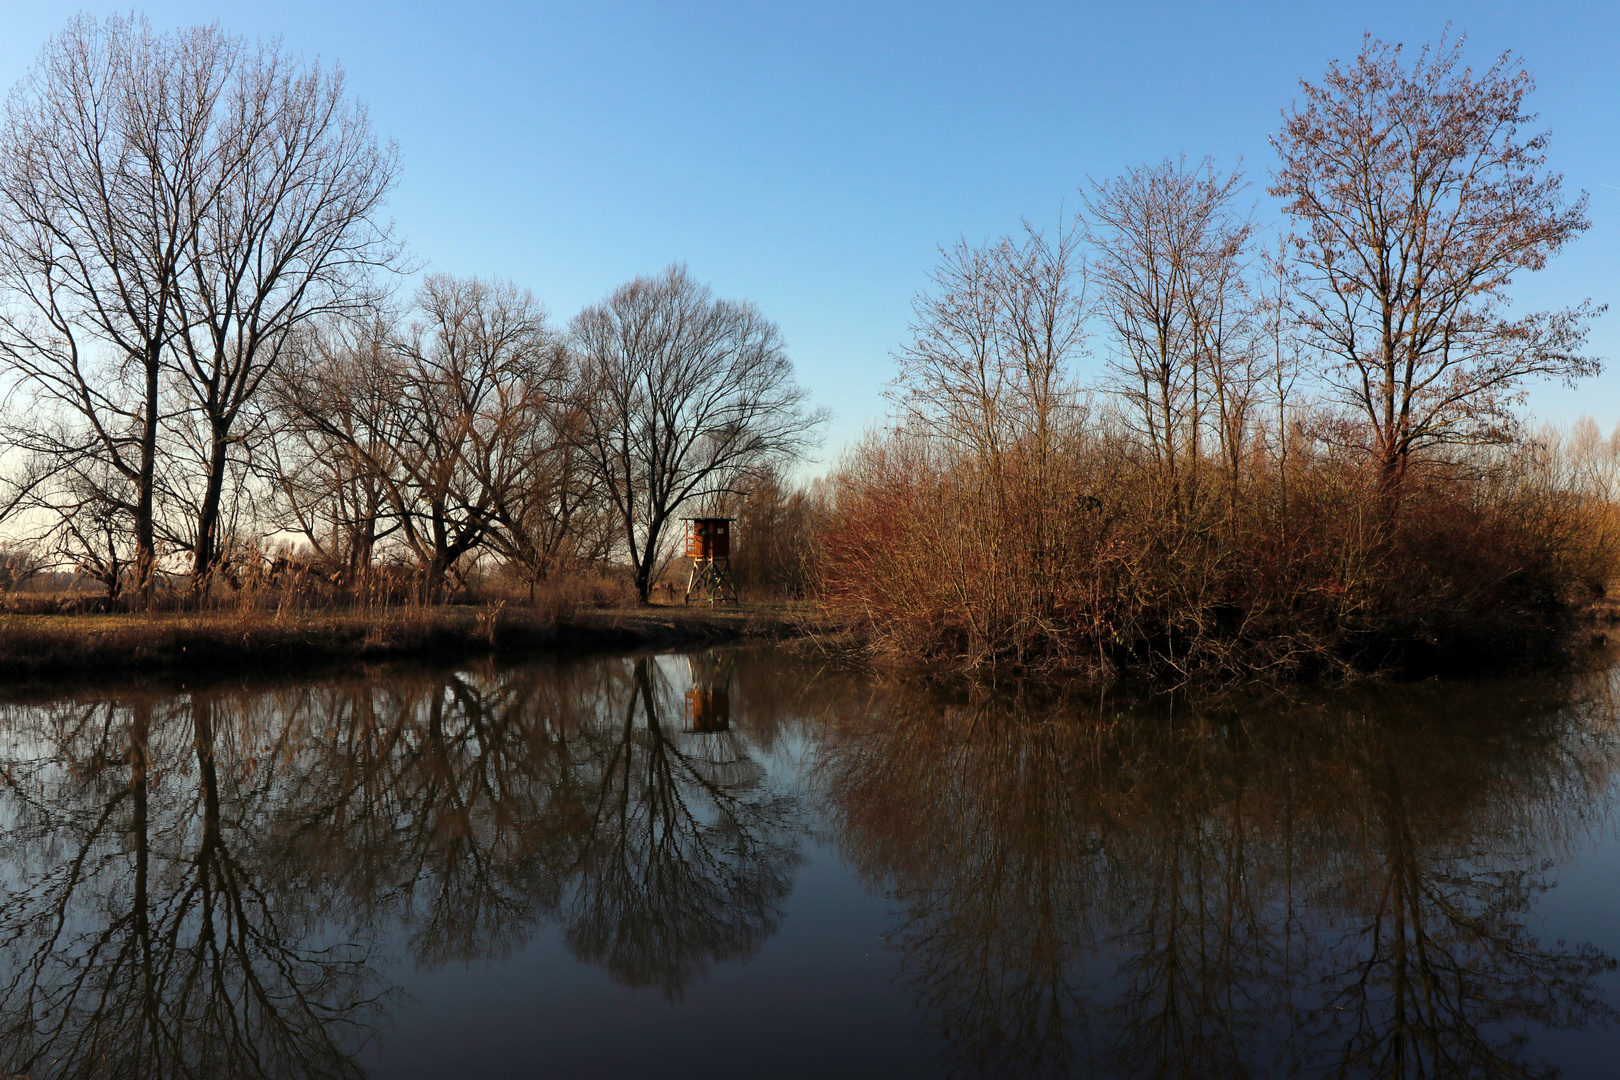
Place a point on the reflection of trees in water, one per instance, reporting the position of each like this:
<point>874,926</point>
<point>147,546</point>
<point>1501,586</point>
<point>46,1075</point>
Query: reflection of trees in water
<point>445,801</point>
<point>1428,955</point>
<point>691,855</point>
<point>198,885</point>
<point>989,925</point>
<point>1227,891</point>
<point>142,936</point>
<point>491,805</point>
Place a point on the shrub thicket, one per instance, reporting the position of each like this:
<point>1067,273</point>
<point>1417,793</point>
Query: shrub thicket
<point>1312,567</point>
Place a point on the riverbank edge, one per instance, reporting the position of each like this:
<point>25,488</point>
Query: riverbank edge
<point>1562,636</point>
<point>47,646</point>
<point>44,648</point>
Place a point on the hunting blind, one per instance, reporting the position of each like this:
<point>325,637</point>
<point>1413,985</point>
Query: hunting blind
<point>708,545</point>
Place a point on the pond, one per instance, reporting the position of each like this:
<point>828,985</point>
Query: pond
<point>740,863</point>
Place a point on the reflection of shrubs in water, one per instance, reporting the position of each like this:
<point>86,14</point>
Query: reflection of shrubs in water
<point>1210,887</point>
<point>1217,888</point>
<point>222,863</point>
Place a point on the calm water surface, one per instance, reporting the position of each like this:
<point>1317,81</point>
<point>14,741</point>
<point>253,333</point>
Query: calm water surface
<point>736,864</point>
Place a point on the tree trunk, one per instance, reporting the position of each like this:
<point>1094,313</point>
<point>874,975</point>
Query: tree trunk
<point>644,567</point>
<point>433,586</point>
<point>644,581</point>
<point>207,549</point>
<point>139,765</point>
<point>145,531</point>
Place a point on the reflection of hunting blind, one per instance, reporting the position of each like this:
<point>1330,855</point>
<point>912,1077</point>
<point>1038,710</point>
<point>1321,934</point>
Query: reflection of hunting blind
<point>708,703</point>
<point>708,545</point>
<point>707,710</point>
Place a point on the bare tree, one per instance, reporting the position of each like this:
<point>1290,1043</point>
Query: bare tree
<point>545,500</point>
<point>779,525</point>
<point>513,381</point>
<point>986,369</point>
<point>1170,286</point>
<point>682,396</point>
<point>442,422</point>
<point>174,204</point>
<point>1280,338</point>
<point>293,233</point>
<point>105,166</point>
<point>987,378</point>
<point>1416,199</point>
<point>333,406</point>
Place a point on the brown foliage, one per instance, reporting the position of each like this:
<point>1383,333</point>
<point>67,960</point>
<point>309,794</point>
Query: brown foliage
<point>1417,199</point>
<point>1008,521</point>
<point>1476,560</point>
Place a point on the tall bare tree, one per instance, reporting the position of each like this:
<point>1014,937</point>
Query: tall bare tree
<point>683,395</point>
<point>106,165</point>
<point>333,405</point>
<point>495,385</point>
<point>437,426</point>
<point>988,377</point>
<point>545,500</point>
<point>172,205</point>
<point>987,367</point>
<point>1416,198</point>
<point>294,232</point>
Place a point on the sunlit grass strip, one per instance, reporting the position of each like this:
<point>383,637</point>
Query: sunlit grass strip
<point>40,645</point>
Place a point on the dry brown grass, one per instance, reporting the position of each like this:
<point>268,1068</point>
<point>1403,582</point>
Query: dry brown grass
<point>43,645</point>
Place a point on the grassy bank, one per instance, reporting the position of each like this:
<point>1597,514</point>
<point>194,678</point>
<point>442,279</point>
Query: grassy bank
<point>34,646</point>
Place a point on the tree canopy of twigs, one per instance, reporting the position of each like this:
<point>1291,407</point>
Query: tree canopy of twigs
<point>449,428</point>
<point>682,397</point>
<point>1171,246</point>
<point>172,207</point>
<point>1416,197</point>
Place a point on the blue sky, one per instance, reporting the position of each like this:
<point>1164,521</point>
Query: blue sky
<point>812,157</point>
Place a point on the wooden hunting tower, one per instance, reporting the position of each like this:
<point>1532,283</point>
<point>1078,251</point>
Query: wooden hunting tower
<point>708,545</point>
